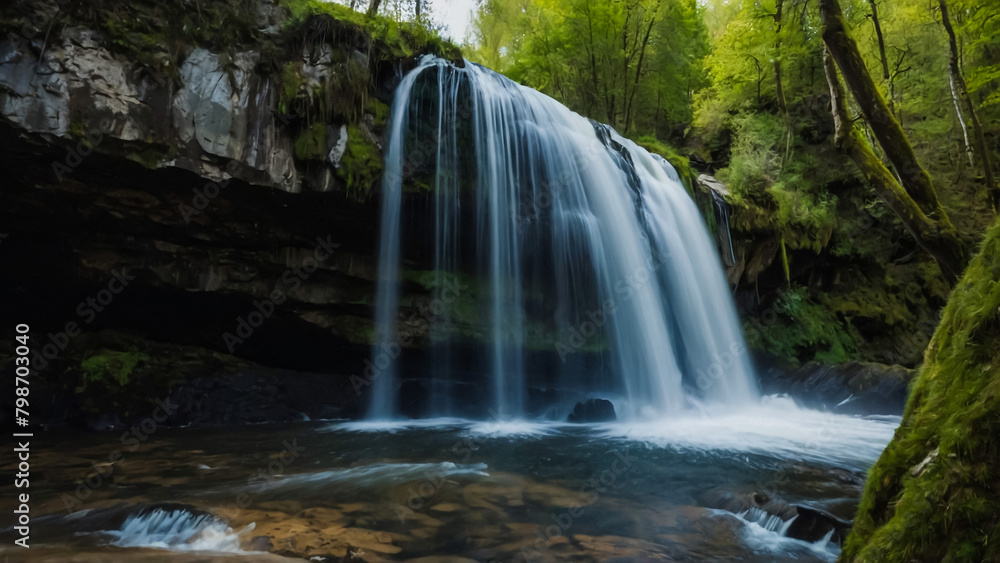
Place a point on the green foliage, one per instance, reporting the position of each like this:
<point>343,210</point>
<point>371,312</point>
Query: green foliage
<point>799,329</point>
<point>630,64</point>
<point>946,509</point>
<point>745,46</point>
<point>754,162</point>
<point>767,195</point>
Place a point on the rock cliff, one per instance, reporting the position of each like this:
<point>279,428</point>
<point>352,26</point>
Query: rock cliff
<point>195,175</point>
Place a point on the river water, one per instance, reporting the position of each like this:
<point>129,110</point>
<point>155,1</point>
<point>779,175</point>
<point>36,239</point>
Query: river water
<point>449,489</point>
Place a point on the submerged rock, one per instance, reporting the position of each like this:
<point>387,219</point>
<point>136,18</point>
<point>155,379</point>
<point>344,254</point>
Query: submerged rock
<point>848,388</point>
<point>593,410</point>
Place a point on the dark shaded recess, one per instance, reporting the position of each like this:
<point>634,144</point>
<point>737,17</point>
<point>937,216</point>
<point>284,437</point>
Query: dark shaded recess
<point>43,280</point>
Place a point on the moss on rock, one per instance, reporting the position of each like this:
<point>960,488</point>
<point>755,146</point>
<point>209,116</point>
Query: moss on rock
<point>680,163</point>
<point>394,39</point>
<point>361,165</point>
<point>110,367</point>
<point>932,495</point>
<point>311,144</point>
<point>291,81</point>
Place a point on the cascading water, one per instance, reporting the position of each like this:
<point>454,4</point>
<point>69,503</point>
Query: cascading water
<point>574,230</point>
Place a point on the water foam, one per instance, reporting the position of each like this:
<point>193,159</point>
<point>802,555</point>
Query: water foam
<point>775,427</point>
<point>177,530</point>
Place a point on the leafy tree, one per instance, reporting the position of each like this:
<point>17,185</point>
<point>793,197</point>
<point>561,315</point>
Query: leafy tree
<point>913,197</point>
<point>631,63</point>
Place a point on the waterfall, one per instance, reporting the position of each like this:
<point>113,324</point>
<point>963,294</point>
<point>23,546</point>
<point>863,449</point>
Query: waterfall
<point>576,240</point>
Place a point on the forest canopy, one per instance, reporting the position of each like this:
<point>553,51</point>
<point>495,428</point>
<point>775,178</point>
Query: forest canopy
<point>741,87</point>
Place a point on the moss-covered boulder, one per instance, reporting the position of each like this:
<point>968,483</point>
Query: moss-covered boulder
<point>933,495</point>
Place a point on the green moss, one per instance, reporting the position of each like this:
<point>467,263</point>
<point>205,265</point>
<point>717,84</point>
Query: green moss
<point>680,163</point>
<point>948,509</point>
<point>379,111</point>
<point>784,262</point>
<point>78,130</point>
<point>874,301</point>
<point>359,330</point>
<point>110,368</point>
<point>361,164</point>
<point>394,39</point>
<point>149,157</point>
<point>311,144</point>
<point>291,81</point>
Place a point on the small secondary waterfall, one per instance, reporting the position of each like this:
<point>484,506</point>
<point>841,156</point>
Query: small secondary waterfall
<point>570,238</point>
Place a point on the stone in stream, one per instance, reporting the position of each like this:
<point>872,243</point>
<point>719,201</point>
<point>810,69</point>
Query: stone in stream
<point>809,524</point>
<point>593,410</point>
<point>847,388</point>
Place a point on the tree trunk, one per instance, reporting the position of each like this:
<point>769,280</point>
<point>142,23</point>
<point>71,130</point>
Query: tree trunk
<point>884,126</point>
<point>416,8</point>
<point>885,60</point>
<point>963,93</point>
<point>373,7</point>
<point>961,118</point>
<point>937,238</point>
<point>629,108</point>
<point>778,89</point>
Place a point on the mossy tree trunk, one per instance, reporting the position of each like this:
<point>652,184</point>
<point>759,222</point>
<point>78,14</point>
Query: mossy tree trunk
<point>939,240</point>
<point>884,126</point>
<point>982,149</point>
<point>932,495</point>
<point>913,198</point>
<point>373,6</point>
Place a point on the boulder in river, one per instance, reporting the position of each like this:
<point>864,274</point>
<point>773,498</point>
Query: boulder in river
<point>593,410</point>
<point>803,522</point>
<point>848,388</point>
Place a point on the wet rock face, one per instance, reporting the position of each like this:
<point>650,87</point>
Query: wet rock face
<point>185,182</point>
<point>849,388</point>
<point>218,117</point>
<point>229,114</point>
<point>593,410</point>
